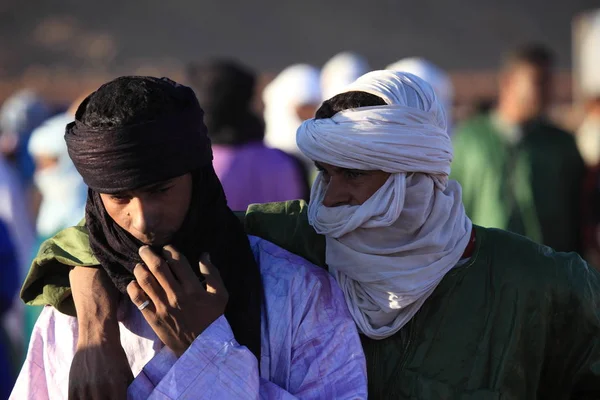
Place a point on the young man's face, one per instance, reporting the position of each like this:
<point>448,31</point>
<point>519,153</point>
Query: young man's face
<point>152,214</point>
<point>349,187</point>
<point>529,88</point>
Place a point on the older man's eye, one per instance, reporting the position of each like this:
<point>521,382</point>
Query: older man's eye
<point>323,172</point>
<point>352,174</point>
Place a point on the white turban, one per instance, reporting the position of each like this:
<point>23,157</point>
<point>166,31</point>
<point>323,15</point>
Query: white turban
<point>340,71</point>
<point>295,86</point>
<point>435,76</point>
<point>391,252</point>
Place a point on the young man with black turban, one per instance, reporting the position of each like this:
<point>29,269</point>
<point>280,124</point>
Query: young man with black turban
<point>261,321</point>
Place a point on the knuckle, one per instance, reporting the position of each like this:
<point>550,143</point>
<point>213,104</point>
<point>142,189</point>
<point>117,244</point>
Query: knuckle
<point>140,273</point>
<point>154,264</point>
<point>161,310</point>
<point>146,280</point>
<point>138,298</point>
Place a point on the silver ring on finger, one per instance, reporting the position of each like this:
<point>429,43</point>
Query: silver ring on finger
<point>144,305</point>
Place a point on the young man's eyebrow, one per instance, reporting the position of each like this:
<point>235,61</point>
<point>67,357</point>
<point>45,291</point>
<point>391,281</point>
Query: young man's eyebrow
<point>157,185</point>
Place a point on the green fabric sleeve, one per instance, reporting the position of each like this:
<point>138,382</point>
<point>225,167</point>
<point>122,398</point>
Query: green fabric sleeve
<point>286,225</point>
<point>48,279</point>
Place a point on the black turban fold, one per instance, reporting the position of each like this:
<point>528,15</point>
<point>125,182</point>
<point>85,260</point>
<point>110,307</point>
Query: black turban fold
<point>131,157</point>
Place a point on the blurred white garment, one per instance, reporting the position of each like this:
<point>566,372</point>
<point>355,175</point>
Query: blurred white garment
<point>435,76</point>
<point>295,86</point>
<point>589,57</point>
<point>22,112</point>
<point>63,192</point>
<point>340,71</point>
<point>588,140</point>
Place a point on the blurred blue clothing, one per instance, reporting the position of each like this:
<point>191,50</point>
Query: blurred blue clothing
<point>9,285</point>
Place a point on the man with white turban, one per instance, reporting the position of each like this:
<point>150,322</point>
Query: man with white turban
<point>62,188</point>
<point>289,99</point>
<point>447,309</point>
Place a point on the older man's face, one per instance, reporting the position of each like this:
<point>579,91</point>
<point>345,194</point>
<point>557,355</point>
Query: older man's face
<point>349,187</point>
<point>152,214</point>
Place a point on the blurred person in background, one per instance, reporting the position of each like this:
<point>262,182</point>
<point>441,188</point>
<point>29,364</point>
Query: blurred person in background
<point>435,76</point>
<point>588,136</point>
<point>518,171</point>
<point>249,171</point>
<point>292,97</point>
<point>9,287</point>
<point>588,140</point>
<point>19,116</point>
<point>63,193</point>
<point>588,59</point>
<point>340,71</point>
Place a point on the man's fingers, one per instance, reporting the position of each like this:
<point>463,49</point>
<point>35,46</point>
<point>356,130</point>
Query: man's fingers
<point>160,269</point>
<point>149,284</point>
<point>179,265</point>
<point>214,283</point>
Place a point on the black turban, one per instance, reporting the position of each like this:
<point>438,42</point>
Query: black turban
<point>131,157</point>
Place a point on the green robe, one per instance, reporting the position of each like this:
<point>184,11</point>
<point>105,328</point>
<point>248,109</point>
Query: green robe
<point>532,188</point>
<point>517,321</point>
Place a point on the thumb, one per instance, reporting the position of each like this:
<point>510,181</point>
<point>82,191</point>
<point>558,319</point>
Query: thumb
<point>214,283</point>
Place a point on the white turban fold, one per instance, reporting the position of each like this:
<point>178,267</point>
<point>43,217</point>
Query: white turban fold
<point>340,71</point>
<point>391,252</point>
<point>438,79</point>
<point>295,86</point>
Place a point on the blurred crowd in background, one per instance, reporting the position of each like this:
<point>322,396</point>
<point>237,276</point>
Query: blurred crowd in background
<point>528,160</point>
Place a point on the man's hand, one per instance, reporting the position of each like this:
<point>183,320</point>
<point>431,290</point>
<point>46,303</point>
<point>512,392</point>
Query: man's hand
<point>179,307</point>
<point>100,369</point>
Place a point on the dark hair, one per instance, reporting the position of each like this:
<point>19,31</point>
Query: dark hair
<point>346,101</point>
<point>130,100</point>
<point>225,90</point>
<point>533,54</point>
<point>221,84</point>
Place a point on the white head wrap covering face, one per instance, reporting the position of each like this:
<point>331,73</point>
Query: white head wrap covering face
<point>340,71</point>
<point>63,191</point>
<point>295,86</point>
<point>435,76</point>
<point>391,252</point>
